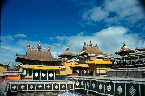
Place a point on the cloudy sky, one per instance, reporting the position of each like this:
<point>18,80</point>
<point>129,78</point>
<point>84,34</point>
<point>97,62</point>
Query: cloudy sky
<point>61,23</point>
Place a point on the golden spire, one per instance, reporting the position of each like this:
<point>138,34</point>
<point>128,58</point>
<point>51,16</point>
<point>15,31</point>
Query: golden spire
<point>33,47</point>
<point>124,43</point>
<point>39,45</point>
<point>48,48</point>
<point>90,43</point>
<point>124,46</point>
<point>67,48</point>
<point>28,45</point>
<point>96,46</point>
<point>85,44</point>
<point>28,48</point>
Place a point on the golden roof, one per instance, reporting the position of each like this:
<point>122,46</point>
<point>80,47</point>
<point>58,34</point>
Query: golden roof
<point>67,52</point>
<point>42,67</point>
<point>124,48</point>
<point>140,49</point>
<point>79,65</point>
<point>99,62</point>
<point>38,54</point>
<point>90,49</point>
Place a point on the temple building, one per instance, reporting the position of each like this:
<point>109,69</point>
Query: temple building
<point>124,53</point>
<point>129,63</point>
<point>90,72</point>
<point>66,56</point>
<point>97,61</point>
<point>124,50</point>
<point>12,74</point>
<point>3,68</point>
<point>39,64</point>
<point>8,74</point>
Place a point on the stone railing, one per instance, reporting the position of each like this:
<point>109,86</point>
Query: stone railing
<point>110,86</point>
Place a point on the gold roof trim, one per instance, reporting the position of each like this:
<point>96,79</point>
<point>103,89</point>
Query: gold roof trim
<point>99,62</point>
<point>124,48</point>
<point>90,49</point>
<point>79,65</point>
<point>42,67</point>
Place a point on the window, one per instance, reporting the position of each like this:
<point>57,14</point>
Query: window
<point>30,72</point>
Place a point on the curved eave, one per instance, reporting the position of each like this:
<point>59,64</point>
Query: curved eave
<point>140,49</point>
<point>66,55</point>
<point>124,51</point>
<point>95,53</point>
<point>42,67</point>
<point>47,60</point>
<point>79,65</point>
<point>82,53</point>
<point>99,62</point>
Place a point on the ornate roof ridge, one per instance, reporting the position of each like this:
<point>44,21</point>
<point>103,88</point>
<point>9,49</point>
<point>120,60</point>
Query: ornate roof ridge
<point>38,54</point>
<point>67,52</point>
<point>124,48</point>
<point>90,49</point>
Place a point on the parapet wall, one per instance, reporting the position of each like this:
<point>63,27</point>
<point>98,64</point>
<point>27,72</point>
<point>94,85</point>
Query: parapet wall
<point>97,85</point>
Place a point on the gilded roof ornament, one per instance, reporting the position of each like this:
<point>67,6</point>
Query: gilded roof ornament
<point>124,50</point>
<point>67,52</point>
<point>90,43</point>
<point>67,48</point>
<point>33,47</point>
<point>85,44</point>
<point>124,43</point>
<point>39,45</point>
<point>124,46</point>
<point>48,48</point>
<point>28,45</point>
<point>91,50</point>
<point>96,46</point>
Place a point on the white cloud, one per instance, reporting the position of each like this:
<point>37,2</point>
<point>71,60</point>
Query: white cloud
<point>109,39</point>
<point>124,10</point>
<point>20,35</point>
<point>8,52</point>
<point>10,46</point>
<point>7,38</point>
<point>130,10</point>
<point>95,14</point>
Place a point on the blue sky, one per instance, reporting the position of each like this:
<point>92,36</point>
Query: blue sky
<point>61,23</point>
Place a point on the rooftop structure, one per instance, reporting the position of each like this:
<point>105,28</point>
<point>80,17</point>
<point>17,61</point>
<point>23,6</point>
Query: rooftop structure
<point>94,58</point>
<point>37,54</point>
<point>67,54</point>
<point>130,63</point>
<point>3,67</point>
<point>124,50</point>
<point>91,50</point>
<point>38,64</point>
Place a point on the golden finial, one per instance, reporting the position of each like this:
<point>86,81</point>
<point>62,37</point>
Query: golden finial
<point>39,45</point>
<point>96,46</point>
<point>85,44</point>
<point>124,43</point>
<point>33,47</point>
<point>28,45</point>
<point>90,43</point>
<point>67,48</point>
<point>48,48</point>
